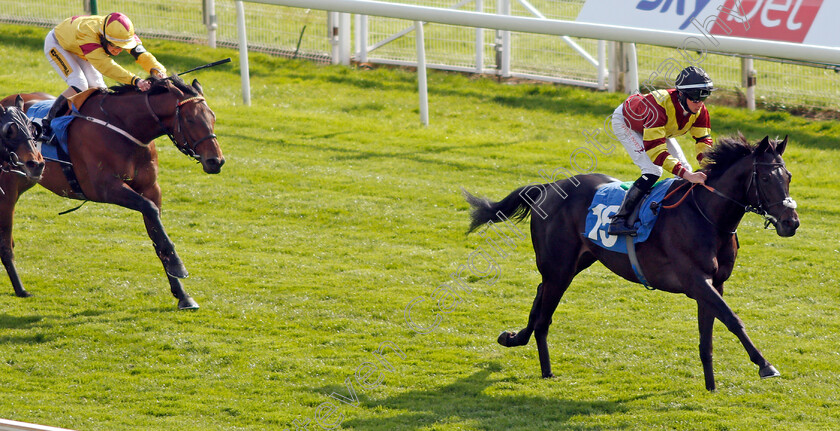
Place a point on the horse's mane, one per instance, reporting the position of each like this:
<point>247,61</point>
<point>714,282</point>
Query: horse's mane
<point>158,86</point>
<point>727,151</point>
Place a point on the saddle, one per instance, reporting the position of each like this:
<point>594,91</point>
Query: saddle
<point>56,146</point>
<point>606,202</point>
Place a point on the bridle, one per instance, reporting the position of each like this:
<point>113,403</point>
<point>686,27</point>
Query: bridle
<point>185,147</point>
<point>9,160</point>
<point>761,208</point>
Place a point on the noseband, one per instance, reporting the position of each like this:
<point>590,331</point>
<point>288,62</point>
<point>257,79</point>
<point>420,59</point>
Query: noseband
<point>186,147</point>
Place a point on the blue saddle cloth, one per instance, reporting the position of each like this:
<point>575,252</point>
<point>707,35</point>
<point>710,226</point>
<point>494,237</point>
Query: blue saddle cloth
<point>58,125</point>
<point>606,202</point>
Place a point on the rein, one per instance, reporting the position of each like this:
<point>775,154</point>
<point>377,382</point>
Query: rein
<point>760,209</point>
<point>186,148</point>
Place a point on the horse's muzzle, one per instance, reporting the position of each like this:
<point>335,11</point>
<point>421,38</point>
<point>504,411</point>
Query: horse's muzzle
<point>212,165</point>
<point>34,169</point>
<point>787,227</point>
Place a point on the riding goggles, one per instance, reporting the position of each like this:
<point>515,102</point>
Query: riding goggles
<point>696,92</point>
<point>697,96</point>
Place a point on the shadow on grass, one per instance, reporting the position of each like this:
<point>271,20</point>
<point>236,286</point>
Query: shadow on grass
<point>424,155</point>
<point>30,38</point>
<point>18,322</point>
<point>467,400</point>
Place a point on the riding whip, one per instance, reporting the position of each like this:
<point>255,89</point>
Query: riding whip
<point>215,63</point>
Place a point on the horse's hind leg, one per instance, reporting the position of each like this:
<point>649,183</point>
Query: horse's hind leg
<point>556,280</point>
<point>706,321</point>
<point>521,338</point>
<point>551,297</point>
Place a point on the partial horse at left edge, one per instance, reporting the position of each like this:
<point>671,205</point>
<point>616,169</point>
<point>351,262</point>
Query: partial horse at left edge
<point>21,166</point>
<point>110,144</point>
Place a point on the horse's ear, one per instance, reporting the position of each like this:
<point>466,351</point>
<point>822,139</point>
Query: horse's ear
<point>197,86</point>
<point>763,146</point>
<point>19,102</point>
<point>780,147</point>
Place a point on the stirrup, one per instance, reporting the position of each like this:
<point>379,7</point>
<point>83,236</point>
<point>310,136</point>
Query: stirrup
<point>618,227</point>
<point>46,133</point>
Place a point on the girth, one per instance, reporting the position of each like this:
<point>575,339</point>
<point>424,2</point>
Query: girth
<point>67,168</point>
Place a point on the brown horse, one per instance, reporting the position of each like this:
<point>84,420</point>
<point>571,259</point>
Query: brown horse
<point>691,250</point>
<point>21,166</point>
<point>111,147</point>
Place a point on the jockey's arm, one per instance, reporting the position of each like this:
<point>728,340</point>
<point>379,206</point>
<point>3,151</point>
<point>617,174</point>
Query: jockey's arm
<point>108,67</point>
<point>148,61</point>
<point>657,150</point>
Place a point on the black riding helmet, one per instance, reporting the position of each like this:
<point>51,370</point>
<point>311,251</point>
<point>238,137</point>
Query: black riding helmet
<point>695,84</point>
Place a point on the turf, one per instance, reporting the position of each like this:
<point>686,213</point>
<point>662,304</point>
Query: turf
<point>335,212</point>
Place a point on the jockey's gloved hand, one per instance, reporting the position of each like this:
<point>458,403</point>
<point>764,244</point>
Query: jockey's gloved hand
<point>143,84</point>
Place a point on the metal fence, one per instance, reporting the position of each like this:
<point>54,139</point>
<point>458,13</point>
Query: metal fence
<point>306,34</point>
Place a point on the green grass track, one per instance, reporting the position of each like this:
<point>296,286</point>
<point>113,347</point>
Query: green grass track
<point>336,209</point>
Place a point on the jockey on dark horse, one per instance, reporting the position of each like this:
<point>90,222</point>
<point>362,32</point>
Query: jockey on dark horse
<point>647,124</point>
<point>80,50</point>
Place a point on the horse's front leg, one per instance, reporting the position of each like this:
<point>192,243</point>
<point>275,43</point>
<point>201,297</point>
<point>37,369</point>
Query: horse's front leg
<point>7,254</point>
<point>721,310</point>
<point>149,205</point>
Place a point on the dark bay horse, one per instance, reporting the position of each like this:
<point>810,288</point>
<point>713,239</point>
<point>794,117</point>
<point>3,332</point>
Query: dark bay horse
<point>21,166</point>
<point>115,160</point>
<point>691,250</point>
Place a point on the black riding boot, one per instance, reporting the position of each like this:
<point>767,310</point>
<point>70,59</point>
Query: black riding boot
<point>58,108</point>
<point>623,222</point>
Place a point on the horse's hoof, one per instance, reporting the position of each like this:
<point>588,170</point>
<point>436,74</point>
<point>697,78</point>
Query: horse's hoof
<point>768,371</point>
<point>187,303</point>
<point>548,376</point>
<point>505,337</point>
<point>23,294</point>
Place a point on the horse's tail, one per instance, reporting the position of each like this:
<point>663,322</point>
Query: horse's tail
<point>513,207</point>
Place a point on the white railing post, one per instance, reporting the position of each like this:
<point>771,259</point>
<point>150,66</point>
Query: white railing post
<point>631,82</point>
<point>614,65</point>
<point>748,80</point>
<point>479,41</point>
<point>244,74</point>
<point>602,64</point>
<point>503,39</point>
<point>422,86</point>
<point>332,35</point>
<point>361,38</point>
<point>344,38</point>
<point>210,21</point>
